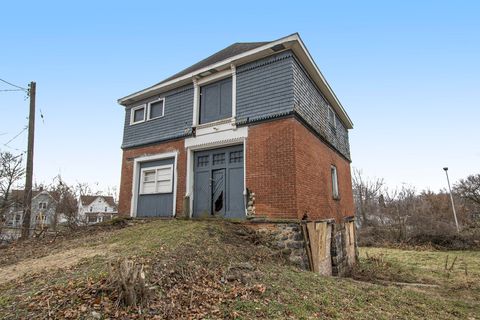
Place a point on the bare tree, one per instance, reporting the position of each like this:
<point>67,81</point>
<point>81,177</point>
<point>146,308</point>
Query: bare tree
<point>11,170</point>
<point>469,188</point>
<point>367,194</point>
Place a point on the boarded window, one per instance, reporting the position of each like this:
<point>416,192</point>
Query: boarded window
<point>216,101</point>
<point>157,180</point>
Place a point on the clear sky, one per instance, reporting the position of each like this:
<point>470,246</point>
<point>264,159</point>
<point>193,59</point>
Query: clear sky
<point>407,72</point>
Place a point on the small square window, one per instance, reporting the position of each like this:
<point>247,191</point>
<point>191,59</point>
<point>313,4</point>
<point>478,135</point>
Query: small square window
<point>335,192</point>
<point>156,109</point>
<point>42,205</point>
<point>137,114</point>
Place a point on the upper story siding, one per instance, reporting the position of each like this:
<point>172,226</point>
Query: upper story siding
<point>267,88</point>
<point>176,121</point>
<point>312,107</point>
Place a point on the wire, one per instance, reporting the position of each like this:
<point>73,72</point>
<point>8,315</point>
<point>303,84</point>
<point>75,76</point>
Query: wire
<point>13,85</point>
<point>16,136</point>
<point>3,90</point>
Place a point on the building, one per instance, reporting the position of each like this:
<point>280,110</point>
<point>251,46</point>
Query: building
<point>43,210</point>
<point>252,130</point>
<point>96,208</point>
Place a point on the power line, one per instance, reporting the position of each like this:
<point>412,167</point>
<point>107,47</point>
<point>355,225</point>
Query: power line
<point>14,85</point>
<point>16,136</point>
<point>5,90</point>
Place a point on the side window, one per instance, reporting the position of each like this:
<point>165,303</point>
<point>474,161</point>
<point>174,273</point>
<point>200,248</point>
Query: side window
<point>137,114</point>
<point>216,101</point>
<point>332,118</point>
<point>335,192</point>
<point>156,109</point>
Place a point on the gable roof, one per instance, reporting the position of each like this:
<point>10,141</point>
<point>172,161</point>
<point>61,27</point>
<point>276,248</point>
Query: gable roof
<point>241,53</point>
<point>17,196</point>
<point>88,199</point>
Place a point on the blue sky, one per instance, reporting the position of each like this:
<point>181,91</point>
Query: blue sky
<point>407,72</point>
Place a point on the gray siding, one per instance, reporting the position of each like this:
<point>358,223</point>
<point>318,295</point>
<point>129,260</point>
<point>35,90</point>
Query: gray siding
<point>265,88</point>
<point>176,122</point>
<point>313,109</point>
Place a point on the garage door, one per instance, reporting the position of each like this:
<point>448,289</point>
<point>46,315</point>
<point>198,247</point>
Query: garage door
<point>218,183</point>
<point>155,188</point>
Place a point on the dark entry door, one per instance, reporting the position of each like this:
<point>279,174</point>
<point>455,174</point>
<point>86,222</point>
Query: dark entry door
<point>218,183</point>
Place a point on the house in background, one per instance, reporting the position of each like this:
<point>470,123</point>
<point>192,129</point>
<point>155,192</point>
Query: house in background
<point>96,208</point>
<point>43,211</point>
<point>254,118</point>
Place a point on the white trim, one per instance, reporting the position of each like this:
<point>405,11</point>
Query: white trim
<point>149,106</point>
<point>212,141</point>
<point>234,92</point>
<point>142,171</point>
<point>132,113</point>
<point>136,180</point>
<point>196,102</point>
<point>335,189</point>
<point>214,77</point>
<point>293,42</point>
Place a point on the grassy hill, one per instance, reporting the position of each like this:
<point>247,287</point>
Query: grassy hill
<point>214,269</point>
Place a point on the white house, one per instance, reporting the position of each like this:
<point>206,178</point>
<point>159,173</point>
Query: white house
<point>96,208</point>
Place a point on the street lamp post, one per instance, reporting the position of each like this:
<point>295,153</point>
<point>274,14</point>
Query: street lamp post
<point>451,199</point>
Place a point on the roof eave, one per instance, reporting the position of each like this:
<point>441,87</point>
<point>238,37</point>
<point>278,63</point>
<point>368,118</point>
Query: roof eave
<point>293,42</point>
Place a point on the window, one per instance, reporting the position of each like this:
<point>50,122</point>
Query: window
<point>106,209</point>
<point>42,205</point>
<point>156,109</point>
<point>216,101</point>
<point>331,117</point>
<point>335,193</point>
<point>137,114</point>
<point>91,209</point>
<point>157,180</point>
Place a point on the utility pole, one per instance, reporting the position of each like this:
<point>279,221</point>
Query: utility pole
<point>451,199</point>
<point>27,198</point>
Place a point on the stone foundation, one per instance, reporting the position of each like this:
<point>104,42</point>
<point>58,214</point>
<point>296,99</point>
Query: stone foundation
<point>325,247</point>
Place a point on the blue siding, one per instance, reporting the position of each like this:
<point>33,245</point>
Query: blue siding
<point>176,122</point>
<point>270,87</point>
<point>265,88</point>
<point>312,107</point>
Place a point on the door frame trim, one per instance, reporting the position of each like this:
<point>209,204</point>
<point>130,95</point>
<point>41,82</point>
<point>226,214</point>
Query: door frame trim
<point>136,175</point>
<point>212,141</point>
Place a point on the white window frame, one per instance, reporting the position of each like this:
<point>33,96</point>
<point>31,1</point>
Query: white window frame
<point>199,82</point>
<point>149,106</point>
<point>142,175</point>
<point>132,114</point>
<point>335,189</point>
<point>136,178</point>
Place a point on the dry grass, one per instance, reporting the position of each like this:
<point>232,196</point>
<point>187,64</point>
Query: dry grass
<point>187,264</point>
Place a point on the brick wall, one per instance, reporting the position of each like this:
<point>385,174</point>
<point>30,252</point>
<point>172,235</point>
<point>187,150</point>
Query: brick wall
<point>127,172</point>
<point>288,168</point>
<point>313,160</point>
<point>270,163</point>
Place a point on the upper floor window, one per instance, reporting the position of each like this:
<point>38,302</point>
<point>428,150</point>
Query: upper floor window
<point>336,194</point>
<point>331,117</point>
<point>156,109</point>
<point>216,101</point>
<point>138,114</point>
<point>42,205</point>
<point>106,209</point>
